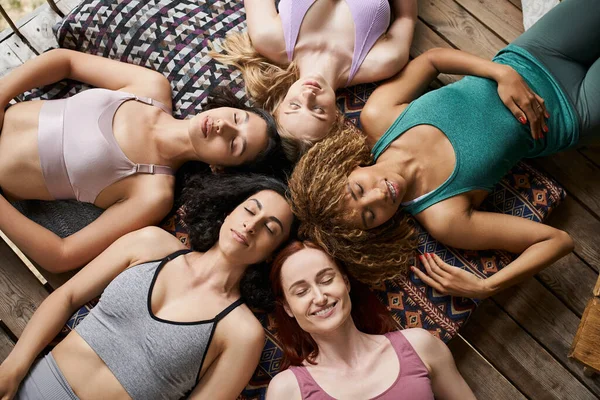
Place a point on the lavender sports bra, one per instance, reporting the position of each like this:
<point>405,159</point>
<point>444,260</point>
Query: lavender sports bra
<point>371,20</point>
<point>78,151</point>
<point>412,382</point>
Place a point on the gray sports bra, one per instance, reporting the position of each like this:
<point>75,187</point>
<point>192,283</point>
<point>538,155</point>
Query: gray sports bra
<point>151,357</point>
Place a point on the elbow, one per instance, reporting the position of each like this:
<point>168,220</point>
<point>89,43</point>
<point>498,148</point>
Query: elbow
<point>565,242</point>
<point>61,259</point>
<point>369,115</point>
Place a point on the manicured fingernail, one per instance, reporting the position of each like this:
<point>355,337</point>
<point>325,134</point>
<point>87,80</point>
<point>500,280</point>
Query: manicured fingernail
<point>545,129</point>
<point>522,120</point>
<point>547,115</point>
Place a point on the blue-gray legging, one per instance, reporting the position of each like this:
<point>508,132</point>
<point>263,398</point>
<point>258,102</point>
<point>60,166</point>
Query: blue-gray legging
<point>567,42</point>
<point>45,381</point>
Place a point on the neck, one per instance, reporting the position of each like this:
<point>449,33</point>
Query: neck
<point>215,270</point>
<point>173,141</point>
<point>343,348</point>
<point>324,64</point>
<point>409,166</point>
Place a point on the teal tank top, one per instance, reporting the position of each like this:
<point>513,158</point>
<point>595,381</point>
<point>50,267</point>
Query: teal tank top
<point>486,137</point>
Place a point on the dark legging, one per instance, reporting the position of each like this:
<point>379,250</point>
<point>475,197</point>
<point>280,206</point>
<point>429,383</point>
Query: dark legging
<point>567,42</point>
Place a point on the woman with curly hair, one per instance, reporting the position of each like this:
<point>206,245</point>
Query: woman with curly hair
<point>117,147</point>
<point>295,58</point>
<point>333,329</point>
<point>171,322</point>
<point>438,157</point>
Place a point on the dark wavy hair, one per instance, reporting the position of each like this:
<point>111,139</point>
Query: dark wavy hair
<point>271,161</point>
<point>207,200</point>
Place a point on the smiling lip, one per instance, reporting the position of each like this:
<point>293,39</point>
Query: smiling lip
<point>393,190</point>
<point>238,237</point>
<point>331,308</point>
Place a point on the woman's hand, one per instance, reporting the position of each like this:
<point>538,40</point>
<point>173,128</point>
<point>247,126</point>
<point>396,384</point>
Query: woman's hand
<point>522,101</point>
<point>9,382</point>
<point>447,279</point>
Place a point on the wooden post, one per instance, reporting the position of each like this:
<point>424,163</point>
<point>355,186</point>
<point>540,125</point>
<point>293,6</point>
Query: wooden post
<point>54,7</point>
<point>15,29</point>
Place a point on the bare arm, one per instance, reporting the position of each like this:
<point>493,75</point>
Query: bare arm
<point>446,381</point>
<point>89,283</point>
<point>390,53</point>
<point>539,246</point>
<point>264,27</point>
<point>63,254</point>
<point>59,64</point>
<point>388,100</point>
<point>230,372</point>
<point>284,386</point>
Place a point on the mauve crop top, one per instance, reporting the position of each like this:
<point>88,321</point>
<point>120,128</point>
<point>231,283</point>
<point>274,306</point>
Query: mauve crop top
<point>79,154</point>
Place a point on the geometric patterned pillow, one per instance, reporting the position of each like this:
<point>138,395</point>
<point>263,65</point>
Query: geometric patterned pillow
<point>172,36</point>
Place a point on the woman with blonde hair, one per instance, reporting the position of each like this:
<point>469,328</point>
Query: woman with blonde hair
<point>437,156</point>
<point>294,60</point>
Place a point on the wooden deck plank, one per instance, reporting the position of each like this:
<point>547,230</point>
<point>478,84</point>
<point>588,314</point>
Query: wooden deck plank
<point>583,227</point>
<point>519,357</point>
<point>38,30</point>
<point>571,280</point>
<point>577,174</point>
<point>20,291</point>
<point>485,381</point>
<point>592,152</point>
<point>426,39</point>
<point>457,26</point>
<point>516,3</point>
<point>8,59</point>
<point>549,321</point>
<point>6,345</point>
<point>501,17</point>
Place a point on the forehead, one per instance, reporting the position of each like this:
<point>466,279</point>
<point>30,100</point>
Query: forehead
<point>302,124</point>
<point>305,265</point>
<point>273,204</point>
<point>351,211</point>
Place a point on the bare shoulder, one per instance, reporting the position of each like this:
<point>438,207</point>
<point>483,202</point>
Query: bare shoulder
<point>152,243</point>
<point>241,328</point>
<point>440,219</point>
<point>284,386</point>
<point>427,346</point>
<point>156,194</point>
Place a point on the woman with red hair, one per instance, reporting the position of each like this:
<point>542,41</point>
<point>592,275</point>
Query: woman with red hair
<point>326,341</point>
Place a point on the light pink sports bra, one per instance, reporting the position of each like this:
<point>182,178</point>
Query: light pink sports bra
<point>371,20</point>
<point>412,382</point>
<point>79,154</point>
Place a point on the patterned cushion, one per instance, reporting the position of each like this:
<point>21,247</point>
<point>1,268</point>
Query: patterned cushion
<point>171,36</point>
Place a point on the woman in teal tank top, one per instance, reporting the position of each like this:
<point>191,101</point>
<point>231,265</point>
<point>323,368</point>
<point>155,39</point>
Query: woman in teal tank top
<point>437,156</point>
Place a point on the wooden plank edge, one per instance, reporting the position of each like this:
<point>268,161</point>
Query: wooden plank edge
<point>24,259</point>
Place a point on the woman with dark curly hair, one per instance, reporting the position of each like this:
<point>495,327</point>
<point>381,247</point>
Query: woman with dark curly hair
<point>117,147</point>
<point>171,322</point>
<point>439,155</point>
<point>333,329</point>
<point>294,57</point>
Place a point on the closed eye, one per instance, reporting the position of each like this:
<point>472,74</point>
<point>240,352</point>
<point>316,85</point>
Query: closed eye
<point>235,118</point>
<point>269,229</point>
<point>361,191</point>
<point>249,211</point>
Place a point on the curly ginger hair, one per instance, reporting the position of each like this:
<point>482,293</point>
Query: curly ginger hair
<point>317,188</point>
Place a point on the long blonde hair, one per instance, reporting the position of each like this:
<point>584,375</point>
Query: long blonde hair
<point>268,83</point>
<point>317,187</point>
